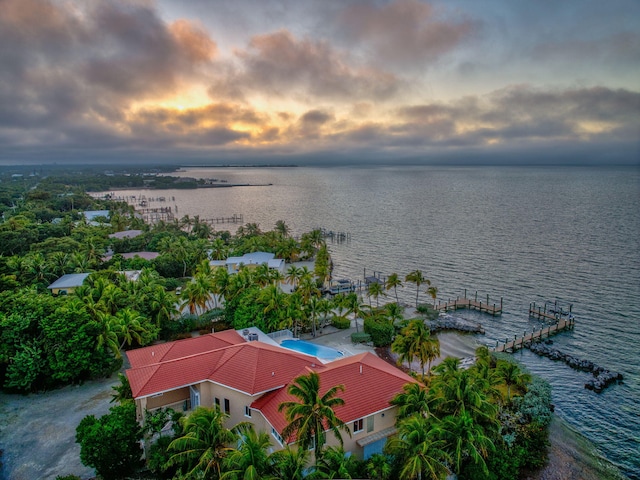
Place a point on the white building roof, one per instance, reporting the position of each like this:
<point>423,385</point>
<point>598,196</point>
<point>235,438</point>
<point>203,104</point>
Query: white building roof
<point>255,258</point>
<point>70,280</point>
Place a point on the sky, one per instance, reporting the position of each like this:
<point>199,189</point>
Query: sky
<point>320,82</point>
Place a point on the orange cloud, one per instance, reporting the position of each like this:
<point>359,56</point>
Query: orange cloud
<point>194,41</point>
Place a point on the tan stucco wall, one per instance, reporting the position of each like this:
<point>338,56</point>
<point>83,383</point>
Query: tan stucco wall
<point>168,398</point>
<point>237,401</point>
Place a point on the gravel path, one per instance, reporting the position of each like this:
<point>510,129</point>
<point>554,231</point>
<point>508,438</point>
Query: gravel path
<point>37,432</point>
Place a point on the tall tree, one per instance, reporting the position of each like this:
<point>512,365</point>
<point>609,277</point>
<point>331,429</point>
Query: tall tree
<point>511,375</point>
<point>418,278</point>
<point>312,413</point>
<point>419,449</point>
<point>393,281</point>
<point>289,463</point>
<point>413,400</point>
<point>205,444</point>
<point>249,460</point>
<point>466,440</point>
<point>375,290</point>
<point>111,443</point>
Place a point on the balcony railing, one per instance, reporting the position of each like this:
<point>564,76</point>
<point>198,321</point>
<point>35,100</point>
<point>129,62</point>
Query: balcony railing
<point>181,406</point>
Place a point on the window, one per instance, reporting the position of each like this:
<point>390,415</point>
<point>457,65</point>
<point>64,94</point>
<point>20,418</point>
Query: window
<point>358,426</point>
<point>370,424</point>
<point>217,402</point>
<point>227,406</point>
<point>276,435</point>
<point>312,445</point>
<point>247,411</point>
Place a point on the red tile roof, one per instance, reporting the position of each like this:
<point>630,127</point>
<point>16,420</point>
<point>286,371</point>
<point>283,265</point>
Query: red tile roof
<point>370,383</point>
<point>250,367</point>
<point>183,348</point>
<point>257,368</point>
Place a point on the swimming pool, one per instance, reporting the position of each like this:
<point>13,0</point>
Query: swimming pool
<point>320,351</point>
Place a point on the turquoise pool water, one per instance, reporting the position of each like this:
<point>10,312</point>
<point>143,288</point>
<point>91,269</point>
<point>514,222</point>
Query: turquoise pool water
<point>320,351</point>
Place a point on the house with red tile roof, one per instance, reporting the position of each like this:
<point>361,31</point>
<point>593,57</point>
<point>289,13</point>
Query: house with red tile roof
<point>249,379</point>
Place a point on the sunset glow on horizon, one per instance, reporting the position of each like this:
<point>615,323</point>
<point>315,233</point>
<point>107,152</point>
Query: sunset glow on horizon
<point>304,81</point>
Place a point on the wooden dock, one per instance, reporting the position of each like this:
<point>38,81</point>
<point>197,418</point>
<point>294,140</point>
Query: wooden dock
<point>235,218</point>
<point>492,308</point>
<point>550,312</point>
<point>517,343</point>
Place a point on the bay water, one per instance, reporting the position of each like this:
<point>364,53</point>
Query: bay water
<point>523,234</point>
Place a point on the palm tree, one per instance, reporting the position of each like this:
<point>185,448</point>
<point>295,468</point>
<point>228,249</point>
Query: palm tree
<point>205,443</point>
<point>282,228</point>
<point>421,452</point>
<point>272,298</point>
<point>418,278</point>
<point>415,341</point>
<point>308,287</point>
<point>220,283</point>
<point>403,346</point>
<point>311,413</point>
<point>378,467</point>
<point>394,312</point>
<point>375,289</point>
<point>289,464</point>
<point>249,460</point>
<point>352,303</point>
<point>466,440</point>
<point>413,400</point>
<point>433,293</point>
<point>108,334</point>
<point>459,392</point>
<point>393,281</point>
<point>293,275</point>
<point>130,327</point>
<point>335,463</point>
<point>511,375</point>
<point>197,293</point>
<point>162,304</point>
<point>219,249</point>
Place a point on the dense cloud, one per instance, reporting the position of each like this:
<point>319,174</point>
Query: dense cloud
<point>407,33</point>
<point>120,80</point>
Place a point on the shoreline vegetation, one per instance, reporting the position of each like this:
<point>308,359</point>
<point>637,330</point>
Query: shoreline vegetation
<point>49,341</point>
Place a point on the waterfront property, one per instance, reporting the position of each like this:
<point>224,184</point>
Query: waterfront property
<point>253,259</point>
<point>66,284</point>
<point>248,380</point>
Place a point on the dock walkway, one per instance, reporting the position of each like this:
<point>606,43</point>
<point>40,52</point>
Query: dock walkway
<point>517,343</point>
<point>551,312</point>
<point>471,304</point>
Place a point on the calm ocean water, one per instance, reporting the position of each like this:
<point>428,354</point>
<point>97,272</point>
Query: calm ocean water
<point>524,234</point>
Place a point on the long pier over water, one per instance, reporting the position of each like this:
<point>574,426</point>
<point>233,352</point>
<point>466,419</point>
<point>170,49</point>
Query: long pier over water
<point>527,338</point>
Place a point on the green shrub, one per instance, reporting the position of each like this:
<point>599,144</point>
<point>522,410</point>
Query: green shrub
<point>360,337</point>
<point>427,311</point>
<point>341,323</point>
<point>381,331</point>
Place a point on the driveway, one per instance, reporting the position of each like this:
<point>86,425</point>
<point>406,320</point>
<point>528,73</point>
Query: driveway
<point>37,431</point>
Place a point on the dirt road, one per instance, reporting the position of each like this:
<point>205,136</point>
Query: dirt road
<point>37,432</point>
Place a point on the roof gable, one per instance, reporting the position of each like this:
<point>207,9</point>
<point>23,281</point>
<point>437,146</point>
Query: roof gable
<point>183,348</point>
<point>250,367</point>
<point>370,384</point>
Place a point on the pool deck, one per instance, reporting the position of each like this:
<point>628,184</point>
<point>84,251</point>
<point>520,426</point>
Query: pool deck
<point>339,339</point>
